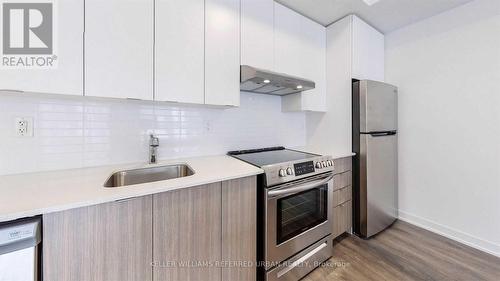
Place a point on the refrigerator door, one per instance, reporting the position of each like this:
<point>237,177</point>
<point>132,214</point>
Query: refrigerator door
<point>378,182</point>
<point>378,105</point>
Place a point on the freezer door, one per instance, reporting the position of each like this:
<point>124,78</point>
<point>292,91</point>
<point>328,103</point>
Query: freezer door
<point>378,107</point>
<point>378,182</point>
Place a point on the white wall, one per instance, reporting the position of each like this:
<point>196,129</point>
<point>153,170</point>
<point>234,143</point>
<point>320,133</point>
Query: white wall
<point>448,71</point>
<point>82,132</point>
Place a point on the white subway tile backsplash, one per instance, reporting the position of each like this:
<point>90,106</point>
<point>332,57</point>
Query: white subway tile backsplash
<point>83,132</point>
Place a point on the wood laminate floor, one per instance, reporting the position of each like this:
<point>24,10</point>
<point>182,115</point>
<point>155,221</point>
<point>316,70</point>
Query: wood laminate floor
<point>406,252</point>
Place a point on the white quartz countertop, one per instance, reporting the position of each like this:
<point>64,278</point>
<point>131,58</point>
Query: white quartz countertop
<point>26,195</point>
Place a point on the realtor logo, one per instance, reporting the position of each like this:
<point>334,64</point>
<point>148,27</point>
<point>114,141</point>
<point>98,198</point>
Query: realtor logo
<point>27,28</point>
<point>28,34</point>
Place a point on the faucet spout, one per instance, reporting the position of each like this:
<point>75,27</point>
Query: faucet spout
<point>154,143</point>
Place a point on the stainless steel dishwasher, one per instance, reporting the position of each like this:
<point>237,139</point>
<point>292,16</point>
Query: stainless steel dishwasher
<point>20,251</point>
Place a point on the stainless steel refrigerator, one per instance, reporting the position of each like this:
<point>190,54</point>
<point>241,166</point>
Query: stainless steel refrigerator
<point>375,167</point>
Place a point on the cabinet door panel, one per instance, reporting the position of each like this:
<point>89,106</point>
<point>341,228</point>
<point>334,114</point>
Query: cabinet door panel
<point>67,77</point>
<point>222,52</point>
<point>187,228</point>
<point>179,53</point>
<point>119,49</point>
<point>288,40</point>
<point>111,242</point>
<point>342,218</point>
<point>300,50</point>
<point>257,33</point>
<point>313,62</point>
<point>367,51</point>
<point>239,228</point>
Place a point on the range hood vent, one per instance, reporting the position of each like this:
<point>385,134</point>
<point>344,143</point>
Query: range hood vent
<point>267,82</point>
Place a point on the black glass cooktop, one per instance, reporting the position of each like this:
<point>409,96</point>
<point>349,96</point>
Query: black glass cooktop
<point>268,156</point>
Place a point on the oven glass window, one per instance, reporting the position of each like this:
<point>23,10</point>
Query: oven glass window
<point>299,212</point>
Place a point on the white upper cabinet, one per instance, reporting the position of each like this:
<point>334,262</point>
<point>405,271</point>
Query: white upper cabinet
<point>300,50</point>
<point>67,76</point>
<point>367,51</point>
<point>288,41</point>
<point>119,49</point>
<point>197,51</point>
<point>257,33</point>
<point>222,52</point>
<point>313,61</point>
<point>179,51</point>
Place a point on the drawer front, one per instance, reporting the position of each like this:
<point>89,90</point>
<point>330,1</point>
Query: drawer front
<point>342,165</point>
<point>342,218</point>
<point>304,262</point>
<point>342,195</point>
<point>342,180</point>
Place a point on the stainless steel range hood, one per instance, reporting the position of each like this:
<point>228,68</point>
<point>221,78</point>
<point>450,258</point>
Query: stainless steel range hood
<point>267,82</point>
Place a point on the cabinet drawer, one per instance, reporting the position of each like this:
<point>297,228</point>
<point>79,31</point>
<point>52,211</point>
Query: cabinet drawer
<point>342,180</point>
<point>342,218</point>
<point>342,195</point>
<point>343,165</point>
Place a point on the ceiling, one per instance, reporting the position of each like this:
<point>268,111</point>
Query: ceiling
<point>384,15</point>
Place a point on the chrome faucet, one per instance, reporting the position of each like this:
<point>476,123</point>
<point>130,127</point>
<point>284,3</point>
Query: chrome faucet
<point>154,142</point>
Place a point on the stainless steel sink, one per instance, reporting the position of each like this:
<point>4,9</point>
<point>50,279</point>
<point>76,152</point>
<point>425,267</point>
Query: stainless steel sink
<point>150,174</point>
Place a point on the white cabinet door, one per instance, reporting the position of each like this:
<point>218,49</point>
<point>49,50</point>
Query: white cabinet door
<point>313,62</point>
<point>119,49</point>
<point>257,33</point>
<point>222,52</point>
<point>179,51</point>
<point>67,77</point>
<point>288,40</point>
<point>367,51</point>
<point>300,50</point>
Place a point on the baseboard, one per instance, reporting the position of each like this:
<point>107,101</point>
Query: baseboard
<point>459,236</point>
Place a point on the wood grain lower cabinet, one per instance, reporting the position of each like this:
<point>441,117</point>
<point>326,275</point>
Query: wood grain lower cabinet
<point>239,228</point>
<point>342,219</point>
<point>203,233</point>
<point>342,180</point>
<point>343,165</point>
<point>111,242</point>
<point>206,233</point>
<point>187,234</point>
<point>342,196</point>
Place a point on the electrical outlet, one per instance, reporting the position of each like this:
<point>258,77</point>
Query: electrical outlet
<point>24,127</point>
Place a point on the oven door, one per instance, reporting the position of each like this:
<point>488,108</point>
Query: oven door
<point>297,215</point>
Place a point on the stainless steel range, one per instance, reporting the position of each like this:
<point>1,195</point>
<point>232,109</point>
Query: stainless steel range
<point>294,211</point>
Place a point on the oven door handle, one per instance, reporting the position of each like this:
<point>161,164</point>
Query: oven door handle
<point>299,188</point>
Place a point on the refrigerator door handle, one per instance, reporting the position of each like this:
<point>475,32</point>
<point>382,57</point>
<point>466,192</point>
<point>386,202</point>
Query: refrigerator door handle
<point>382,134</point>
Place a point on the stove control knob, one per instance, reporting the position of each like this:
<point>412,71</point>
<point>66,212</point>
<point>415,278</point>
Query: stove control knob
<point>289,171</point>
<point>282,173</point>
<point>324,164</point>
<point>329,163</point>
<point>318,165</point>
